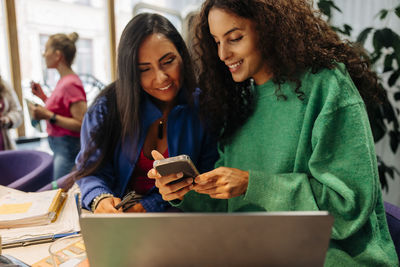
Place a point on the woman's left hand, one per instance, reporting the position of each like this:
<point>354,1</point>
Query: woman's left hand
<point>138,207</point>
<point>222,183</point>
<point>41,113</point>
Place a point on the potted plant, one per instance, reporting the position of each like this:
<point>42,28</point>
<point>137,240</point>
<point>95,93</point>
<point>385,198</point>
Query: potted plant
<point>385,59</point>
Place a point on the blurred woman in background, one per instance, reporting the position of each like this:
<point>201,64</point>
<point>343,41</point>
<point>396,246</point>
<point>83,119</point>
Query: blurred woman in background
<point>10,115</point>
<point>65,107</point>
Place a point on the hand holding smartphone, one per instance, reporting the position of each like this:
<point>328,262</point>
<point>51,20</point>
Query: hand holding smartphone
<point>177,164</point>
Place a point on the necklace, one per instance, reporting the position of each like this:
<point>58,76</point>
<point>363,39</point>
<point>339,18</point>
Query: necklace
<point>160,130</point>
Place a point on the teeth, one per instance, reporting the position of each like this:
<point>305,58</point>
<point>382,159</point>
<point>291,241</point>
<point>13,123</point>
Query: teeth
<point>166,87</point>
<point>235,65</point>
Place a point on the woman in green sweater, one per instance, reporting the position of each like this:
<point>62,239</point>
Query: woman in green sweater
<point>287,97</point>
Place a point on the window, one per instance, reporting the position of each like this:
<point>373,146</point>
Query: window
<point>81,2</point>
<point>4,65</point>
<point>84,57</point>
<point>175,11</point>
<point>83,62</point>
<point>50,76</point>
<point>38,19</point>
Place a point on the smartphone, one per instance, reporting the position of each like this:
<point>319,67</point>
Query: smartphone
<point>181,163</point>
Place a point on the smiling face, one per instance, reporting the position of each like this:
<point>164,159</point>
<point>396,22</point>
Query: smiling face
<point>237,39</point>
<point>160,66</point>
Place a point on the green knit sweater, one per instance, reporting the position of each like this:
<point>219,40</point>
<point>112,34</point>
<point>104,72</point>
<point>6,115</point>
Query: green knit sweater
<point>315,154</point>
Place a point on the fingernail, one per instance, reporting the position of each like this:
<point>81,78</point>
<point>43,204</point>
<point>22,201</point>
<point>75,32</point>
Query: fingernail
<point>189,181</point>
<point>180,175</point>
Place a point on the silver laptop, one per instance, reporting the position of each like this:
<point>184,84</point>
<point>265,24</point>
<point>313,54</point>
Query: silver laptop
<point>207,239</point>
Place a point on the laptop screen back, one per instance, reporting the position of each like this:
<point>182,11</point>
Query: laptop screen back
<point>207,239</point>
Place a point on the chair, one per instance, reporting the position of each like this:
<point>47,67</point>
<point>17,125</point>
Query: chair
<point>25,170</point>
<point>62,182</point>
<point>393,219</point>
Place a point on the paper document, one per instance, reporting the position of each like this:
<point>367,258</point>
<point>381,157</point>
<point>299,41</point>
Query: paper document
<point>29,209</point>
<point>35,123</point>
<point>66,223</point>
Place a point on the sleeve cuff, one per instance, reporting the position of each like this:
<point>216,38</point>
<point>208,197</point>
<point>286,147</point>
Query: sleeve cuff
<point>154,203</point>
<point>87,200</point>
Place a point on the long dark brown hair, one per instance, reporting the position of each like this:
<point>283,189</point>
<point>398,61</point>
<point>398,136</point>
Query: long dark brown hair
<point>122,120</point>
<point>293,39</point>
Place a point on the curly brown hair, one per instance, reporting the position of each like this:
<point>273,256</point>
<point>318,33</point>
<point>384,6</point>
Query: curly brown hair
<point>293,38</point>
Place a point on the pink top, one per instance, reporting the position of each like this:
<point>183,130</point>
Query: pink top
<point>139,180</point>
<point>69,89</point>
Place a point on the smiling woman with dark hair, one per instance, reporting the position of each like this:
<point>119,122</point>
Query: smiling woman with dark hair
<point>287,97</point>
<point>150,106</point>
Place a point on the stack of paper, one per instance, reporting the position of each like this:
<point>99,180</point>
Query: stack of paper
<point>66,223</point>
<point>29,209</point>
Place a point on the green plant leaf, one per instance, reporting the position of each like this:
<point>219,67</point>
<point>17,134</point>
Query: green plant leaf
<point>347,29</point>
<point>383,13</point>
<point>393,78</point>
<point>390,171</point>
<point>375,56</point>
<point>335,6</point>
<point>387,37</point>
<point>378,132</point>
<point>325,8</point>
<point>394,141</point>
<point>376,118</point>
<point>388,111</point>
<point>396,96</point>
<point>397,11</point>
<point>363,35</point>
<point>388,63</point>
<point>382,169</point>
<point>382,179</point>
<point>396,48</point>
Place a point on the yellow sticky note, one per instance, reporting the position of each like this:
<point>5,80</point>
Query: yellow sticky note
<point>15,208</point>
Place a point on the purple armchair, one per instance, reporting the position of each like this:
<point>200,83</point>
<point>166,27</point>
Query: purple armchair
<point>62,182</point>
<point>25,170</point>
<point>393,219</point>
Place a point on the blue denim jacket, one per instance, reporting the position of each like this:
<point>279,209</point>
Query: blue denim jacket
<point>186,135</point>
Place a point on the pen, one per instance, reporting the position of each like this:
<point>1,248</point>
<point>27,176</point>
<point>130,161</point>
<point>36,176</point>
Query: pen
<point>128,197</point>
<point>56,236</point>
<point>37,240</point>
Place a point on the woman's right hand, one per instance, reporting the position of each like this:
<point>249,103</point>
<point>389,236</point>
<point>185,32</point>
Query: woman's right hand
<point>106,205</point>
<point>38,91</point>
<point>5,122</point>
<point>169,191</point>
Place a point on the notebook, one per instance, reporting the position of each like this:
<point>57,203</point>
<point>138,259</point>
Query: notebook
<point>21,209</point>
<point>207,239</point>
